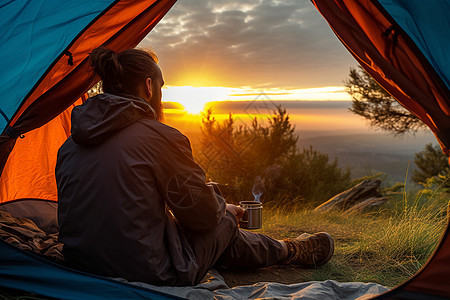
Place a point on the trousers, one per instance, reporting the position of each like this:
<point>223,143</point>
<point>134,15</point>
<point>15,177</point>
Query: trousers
<point>229,246</point>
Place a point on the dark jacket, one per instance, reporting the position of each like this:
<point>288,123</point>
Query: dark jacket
<point>130,193</point>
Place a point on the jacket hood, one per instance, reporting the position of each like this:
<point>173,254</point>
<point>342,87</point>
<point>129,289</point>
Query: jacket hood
<point>101,116</point>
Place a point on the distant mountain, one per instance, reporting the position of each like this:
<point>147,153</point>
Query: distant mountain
<point>268,106</point>
<point>368,154</point>
<point>366,142</point>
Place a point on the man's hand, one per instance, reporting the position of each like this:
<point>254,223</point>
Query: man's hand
<point>237,211</point>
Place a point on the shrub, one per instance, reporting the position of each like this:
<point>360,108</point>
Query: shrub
<point>240,157</point>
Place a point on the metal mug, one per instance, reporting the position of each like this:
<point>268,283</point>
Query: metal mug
<point>252,218</point>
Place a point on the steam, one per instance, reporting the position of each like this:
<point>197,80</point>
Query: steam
<point>258,188</point>
<point>266,182</point>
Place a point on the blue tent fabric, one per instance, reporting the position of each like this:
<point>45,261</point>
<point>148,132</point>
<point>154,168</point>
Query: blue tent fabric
<point>403,44</point>
<point>34,34</point>
<point>422,20</point>
<point>25,271</point>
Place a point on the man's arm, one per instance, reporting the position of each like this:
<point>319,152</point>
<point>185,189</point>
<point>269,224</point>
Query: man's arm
<point>182,183</point>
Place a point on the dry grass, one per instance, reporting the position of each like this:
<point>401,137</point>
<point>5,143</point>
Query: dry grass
<point>387,246</point>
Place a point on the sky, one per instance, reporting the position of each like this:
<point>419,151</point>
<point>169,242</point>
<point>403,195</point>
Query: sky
<point>272,50</point>
<point>242,49</point>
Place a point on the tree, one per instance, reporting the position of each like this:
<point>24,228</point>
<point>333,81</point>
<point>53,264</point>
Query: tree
<point>382,111</point>
<point>431,163</point>
<point>377,106</point>
<point>267,153</point>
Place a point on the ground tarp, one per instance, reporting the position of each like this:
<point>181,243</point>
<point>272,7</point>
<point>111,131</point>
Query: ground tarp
<point>23,267</point>
<point>213,286</point>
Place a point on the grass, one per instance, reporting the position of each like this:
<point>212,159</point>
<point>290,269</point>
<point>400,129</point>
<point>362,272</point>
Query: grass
<point>387,246</point>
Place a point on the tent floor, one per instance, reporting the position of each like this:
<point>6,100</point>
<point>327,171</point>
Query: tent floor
<point>11,294</point>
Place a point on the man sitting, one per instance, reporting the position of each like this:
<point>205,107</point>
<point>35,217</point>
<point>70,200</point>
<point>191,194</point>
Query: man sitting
<point>132,201</point>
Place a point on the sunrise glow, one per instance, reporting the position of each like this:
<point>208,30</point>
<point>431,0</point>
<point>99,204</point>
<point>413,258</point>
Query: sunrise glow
<point>194,99</point>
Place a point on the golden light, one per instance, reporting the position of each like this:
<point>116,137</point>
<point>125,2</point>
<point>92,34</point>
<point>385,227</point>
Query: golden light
<point>194,98</point>
<point>328,93</point>
<point>193,104</point>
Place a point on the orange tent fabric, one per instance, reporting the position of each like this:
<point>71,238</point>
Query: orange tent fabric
<point>121,27</point>
<point>30,170</point>
<point>392,59</point>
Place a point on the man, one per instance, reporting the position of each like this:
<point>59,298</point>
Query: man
<point>132,201</point>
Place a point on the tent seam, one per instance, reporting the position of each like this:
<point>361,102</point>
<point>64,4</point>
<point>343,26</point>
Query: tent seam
<point>425,62</point>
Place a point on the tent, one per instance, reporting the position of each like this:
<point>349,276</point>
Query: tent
<point>404,45</point>
<point>45,73</point>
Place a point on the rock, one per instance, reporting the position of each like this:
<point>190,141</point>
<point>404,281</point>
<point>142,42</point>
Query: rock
<point>368,192</point>
<point>367,204</point>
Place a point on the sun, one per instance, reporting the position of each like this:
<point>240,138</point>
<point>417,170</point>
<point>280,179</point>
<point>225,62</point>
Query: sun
<point>194,98</point>
<point>193,107</point>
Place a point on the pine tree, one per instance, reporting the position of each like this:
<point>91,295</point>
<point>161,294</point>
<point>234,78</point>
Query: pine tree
<point>382,111</point>
<point>431,162</point>
<point>234,157</point>
<point>377,106</point>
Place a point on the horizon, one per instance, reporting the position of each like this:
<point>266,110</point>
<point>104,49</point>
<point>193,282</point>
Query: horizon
<point>311,118</point>
<point>230,55</point>
<point>326,126</point>
<point>194,99</point>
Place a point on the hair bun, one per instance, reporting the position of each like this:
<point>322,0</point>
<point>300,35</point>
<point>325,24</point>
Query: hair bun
<point>105,62</point>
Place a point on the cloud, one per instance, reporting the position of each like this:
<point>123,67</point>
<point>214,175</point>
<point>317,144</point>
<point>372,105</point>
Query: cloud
<point>257,43</point>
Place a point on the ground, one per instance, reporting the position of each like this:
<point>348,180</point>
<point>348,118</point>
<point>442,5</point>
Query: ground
<point>381,248</point>
<point>280,274</point>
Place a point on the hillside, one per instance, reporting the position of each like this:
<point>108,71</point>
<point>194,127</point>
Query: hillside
<point>328,127</point>
<point>370,153</point>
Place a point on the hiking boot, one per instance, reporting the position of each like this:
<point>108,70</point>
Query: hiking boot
<point>309,250</point>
